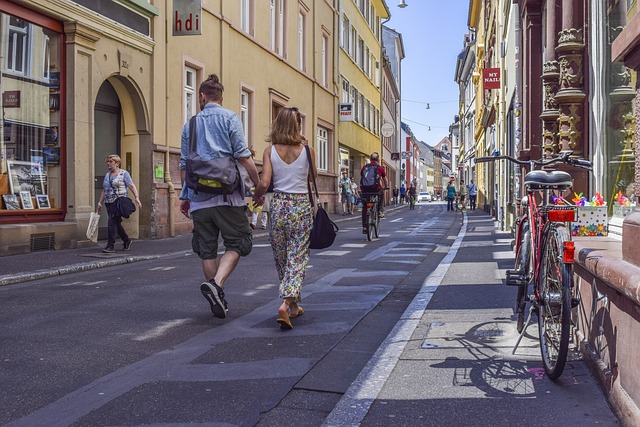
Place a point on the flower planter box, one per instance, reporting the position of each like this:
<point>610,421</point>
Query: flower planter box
<point>622,211</point>
<point>590,221</point>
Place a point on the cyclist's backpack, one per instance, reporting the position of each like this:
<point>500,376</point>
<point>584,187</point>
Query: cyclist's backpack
<point>370,179</point>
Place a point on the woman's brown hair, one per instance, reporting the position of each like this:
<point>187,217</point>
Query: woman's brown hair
<point>286,128</point>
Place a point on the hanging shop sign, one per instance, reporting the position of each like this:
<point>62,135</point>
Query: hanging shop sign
<point>491,78</point>
<point>346,112</point>
<point>11,99</point>
<point>186,17</point>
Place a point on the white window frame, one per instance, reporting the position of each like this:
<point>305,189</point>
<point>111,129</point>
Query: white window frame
<point>346,33</point>
<point>246,114</point>
<point>325,60</point>
<point>46,57</point>
<point>13,54</point>
<point>190,92</point>
<point>246,15</point>
<point>302,40</point>
<point>345,91</point>
<point>322,148</point>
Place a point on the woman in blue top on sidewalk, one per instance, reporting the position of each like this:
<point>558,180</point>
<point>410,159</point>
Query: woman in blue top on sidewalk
<point>451,195</point>
<point>115,185</point>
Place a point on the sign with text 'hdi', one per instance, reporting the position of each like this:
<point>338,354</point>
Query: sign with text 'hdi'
<point>491,78</point>
<point>186,17</point>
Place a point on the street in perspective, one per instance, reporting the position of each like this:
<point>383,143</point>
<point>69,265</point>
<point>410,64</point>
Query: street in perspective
<point>413,328</point>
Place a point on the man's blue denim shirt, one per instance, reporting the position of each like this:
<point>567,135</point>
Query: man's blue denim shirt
<point>219,132</point>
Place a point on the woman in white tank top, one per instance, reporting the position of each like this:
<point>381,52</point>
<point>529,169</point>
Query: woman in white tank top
<point>291,214</point>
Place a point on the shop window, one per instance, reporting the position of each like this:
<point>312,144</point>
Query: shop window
<point>31,140</point>
<point>619,145</point>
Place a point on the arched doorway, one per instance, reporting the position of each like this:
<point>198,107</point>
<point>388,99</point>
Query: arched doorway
<point>107,133</point>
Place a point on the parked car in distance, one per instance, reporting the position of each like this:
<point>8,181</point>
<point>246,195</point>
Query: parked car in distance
<point>424,197</point>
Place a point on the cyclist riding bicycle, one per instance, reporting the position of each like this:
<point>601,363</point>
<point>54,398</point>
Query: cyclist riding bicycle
<point>413,193</point>
<point>373,180</point>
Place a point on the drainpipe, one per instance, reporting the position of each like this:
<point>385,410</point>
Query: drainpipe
<point>167,170</point>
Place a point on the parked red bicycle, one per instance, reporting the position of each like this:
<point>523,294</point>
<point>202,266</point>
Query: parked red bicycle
<point>544,259</point>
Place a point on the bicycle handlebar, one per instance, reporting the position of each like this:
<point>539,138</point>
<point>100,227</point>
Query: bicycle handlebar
<point>563,158</point>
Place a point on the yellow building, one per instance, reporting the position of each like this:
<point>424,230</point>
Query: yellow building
<point>81,82</point>
<point>360,59</point>
<point>268,55</point>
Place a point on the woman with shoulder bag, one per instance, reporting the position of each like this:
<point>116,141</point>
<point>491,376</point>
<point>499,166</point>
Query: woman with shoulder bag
<point>115,184</point>
<point>291,214</point>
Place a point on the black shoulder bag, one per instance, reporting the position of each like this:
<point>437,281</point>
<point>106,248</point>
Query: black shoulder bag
<point>324,230</point>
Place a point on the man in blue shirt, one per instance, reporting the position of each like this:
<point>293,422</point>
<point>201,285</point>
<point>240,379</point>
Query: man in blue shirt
<point>219,133</point>
<point>473,193</point>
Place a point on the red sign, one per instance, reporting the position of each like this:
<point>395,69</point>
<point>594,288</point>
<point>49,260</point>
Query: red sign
<point>491,78</point>
<point>11,99</point>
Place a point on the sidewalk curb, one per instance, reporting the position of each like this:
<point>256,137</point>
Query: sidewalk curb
<point>11,279</point>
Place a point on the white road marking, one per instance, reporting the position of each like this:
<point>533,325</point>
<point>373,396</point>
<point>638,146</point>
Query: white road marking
<point>160,330</point>
<point>353,245</point>
<point>262,245</point>
<point>334,253</point>
<point>503,255</point>
<point>161,268</point>
<point>83,283</point>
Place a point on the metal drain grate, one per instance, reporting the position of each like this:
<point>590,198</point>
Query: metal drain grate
<point>42,242</point>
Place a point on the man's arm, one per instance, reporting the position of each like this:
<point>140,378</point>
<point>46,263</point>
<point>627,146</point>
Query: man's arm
<point>250,166</point>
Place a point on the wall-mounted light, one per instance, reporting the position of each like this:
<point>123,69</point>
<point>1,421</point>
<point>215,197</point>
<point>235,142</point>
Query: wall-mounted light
<point>402,4</point>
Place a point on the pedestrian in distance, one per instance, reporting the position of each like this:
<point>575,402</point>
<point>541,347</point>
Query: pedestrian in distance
<point>462,192</point>
<point>114,185</point>
<point>344,184</point>
<point>473,193</point>
<point>396,194</point>
<point>403,193</point>
<point>219,132</point>
<point>286,162</point>
<point>354,195</point>
<point>451,195</point>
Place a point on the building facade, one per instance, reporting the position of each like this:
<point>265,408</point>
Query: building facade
<point>360,59</point>
<point>77,84</point>
<point>569,83</point>
<point>84,79</point>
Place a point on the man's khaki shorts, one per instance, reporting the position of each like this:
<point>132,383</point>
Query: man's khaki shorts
<point>230,221</point>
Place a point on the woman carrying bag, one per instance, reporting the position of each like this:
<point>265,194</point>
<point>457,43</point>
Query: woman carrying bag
<point>115,184</point>
<point>291,214</point>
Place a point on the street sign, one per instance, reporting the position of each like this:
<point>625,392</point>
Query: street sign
<point>387,130</point>
<point>346,112</point>
<point>406,154</point>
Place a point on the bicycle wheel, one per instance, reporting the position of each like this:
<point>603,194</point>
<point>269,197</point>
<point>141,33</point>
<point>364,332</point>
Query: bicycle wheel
<point>554,315</point>
<point>523,264</point>
<point>376,224</point>
<point>373,214</point>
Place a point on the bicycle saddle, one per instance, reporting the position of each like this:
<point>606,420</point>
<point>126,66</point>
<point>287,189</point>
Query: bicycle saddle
<point>539,180</point>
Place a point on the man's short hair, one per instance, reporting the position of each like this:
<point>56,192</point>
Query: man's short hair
<point>374,156</point>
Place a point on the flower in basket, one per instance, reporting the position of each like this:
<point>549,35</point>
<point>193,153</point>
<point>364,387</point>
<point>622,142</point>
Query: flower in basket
<point>597,200</point>
<point>622,199</point>
<point>557,200</point>
<point>579,199</point>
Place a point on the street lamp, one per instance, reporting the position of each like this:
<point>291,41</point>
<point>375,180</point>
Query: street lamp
<point>402,4</point>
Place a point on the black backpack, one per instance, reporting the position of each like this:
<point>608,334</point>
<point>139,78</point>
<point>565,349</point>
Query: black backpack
<point>370,179</point>
<point>215,176</point>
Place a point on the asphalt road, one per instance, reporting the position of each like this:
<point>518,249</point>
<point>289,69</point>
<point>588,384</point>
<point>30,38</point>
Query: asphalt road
<point>136,344</point>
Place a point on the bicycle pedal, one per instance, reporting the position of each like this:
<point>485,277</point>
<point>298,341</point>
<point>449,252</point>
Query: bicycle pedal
<point>515,278</point>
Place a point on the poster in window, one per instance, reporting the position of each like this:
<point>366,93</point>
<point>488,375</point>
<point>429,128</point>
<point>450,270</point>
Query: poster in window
<point>51,155</point>
<point>22,179</point>
<point>54,102</point>
<point>25,198</point>
<point>11,201</point>
<point>54,80</point>
<point>42,201</point>
<point>51,136</point>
